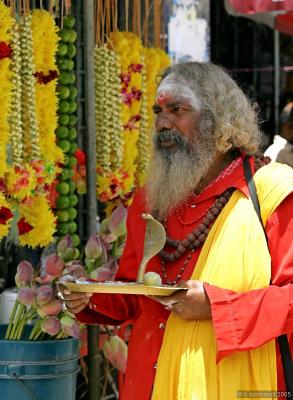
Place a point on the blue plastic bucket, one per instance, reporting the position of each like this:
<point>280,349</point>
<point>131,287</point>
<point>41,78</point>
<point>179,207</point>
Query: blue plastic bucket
<point>38,370</point>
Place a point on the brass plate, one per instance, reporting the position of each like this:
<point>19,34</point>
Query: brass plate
<point>121,287</point>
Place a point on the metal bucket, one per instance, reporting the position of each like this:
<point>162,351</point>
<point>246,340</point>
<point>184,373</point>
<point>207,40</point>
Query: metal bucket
<point>38,370</point>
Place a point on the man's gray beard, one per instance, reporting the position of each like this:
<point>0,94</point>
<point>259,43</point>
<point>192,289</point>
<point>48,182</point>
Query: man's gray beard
<point>175,173</point>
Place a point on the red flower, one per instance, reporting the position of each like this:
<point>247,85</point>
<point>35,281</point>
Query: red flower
<point>5,215</point>
<point>23,226</point>
<point>135,67</point>
<point>46,78</point>
<point>125,78</point>
<point>5,50</point>
<point>80,156</point>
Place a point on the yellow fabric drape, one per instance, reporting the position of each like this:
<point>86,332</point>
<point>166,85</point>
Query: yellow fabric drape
<point>235,256</point>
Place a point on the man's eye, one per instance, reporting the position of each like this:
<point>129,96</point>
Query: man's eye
<point>157,111</point>
<point>177,109</point>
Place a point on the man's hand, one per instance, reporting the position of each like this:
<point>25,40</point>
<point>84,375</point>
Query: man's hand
<point>189,304</point>
<point>75,302</point>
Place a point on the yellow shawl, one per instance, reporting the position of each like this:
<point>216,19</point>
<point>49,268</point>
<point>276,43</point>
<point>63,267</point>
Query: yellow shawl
<point>235,256</point>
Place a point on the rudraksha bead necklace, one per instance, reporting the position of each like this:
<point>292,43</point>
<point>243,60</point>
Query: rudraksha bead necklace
<point>193,240</point>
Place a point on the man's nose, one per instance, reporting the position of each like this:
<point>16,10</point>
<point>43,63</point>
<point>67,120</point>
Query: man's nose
<point>163,122</point>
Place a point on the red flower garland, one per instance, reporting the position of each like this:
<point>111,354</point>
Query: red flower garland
<point>5,50</point>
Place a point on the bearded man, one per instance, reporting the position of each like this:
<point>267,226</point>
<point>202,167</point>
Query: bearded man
<point>218,337</point>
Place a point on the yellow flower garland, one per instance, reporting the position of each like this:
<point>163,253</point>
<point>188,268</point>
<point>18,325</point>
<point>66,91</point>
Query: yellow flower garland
<point>45,42</point>
<point>6,23</point>
<point>38,214</point>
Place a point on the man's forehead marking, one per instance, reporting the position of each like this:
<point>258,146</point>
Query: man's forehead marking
<point>171,86</point>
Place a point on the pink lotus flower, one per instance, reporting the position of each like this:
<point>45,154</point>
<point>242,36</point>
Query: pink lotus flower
<point>54,265</point>
<point>117,221</point>
<point>51,325</point>
<point>93,248</point>
<point>44,279</point>
<point>115,350</point>
<point>52,308</point>
<point>70,327</point>
<point>105,273</point>
<point>44,294</point>
<point>24,274</point>
<point>75,269</point>
<point>26,296</point>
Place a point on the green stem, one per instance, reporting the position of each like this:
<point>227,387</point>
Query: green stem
<point>7,334</point>
<point>114,247</point>
<point>17,319</point>
<point>35,330</point>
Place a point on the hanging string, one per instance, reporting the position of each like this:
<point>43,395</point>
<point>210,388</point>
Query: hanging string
<point>19,7</point>
<point>99,17</point>
<point>41,4</point>
<point>126,14</point>
<point>108,18</point>
<point>145,27</point>
<point>134,6</point>
<point>163,33</point>
<point>62,13</point>
<point>138,15</point>
<point>13,7</point>
<point>51,7</point>
<point>157,23</point>
<point>116,15</point>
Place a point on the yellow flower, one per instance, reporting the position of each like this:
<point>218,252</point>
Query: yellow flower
<point>37,213</point>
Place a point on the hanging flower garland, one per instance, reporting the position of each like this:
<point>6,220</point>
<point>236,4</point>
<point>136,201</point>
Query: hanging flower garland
<point>31,138</point>
<point>44,47</point>
<point>6,216</point>
<point>36,223</point>
<point>15,117</point>
<point>112,180</point>
<point>143,143</point>
<point>6,23</point>
<point>128,47</point>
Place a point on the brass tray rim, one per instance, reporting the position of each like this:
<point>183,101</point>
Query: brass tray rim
<point>121,288</point>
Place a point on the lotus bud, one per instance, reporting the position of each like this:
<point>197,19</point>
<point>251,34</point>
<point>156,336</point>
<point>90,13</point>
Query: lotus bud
<point>93,248</point>
<point>115,350</point>
<point>64,244</point>
<point>52,308</point>
<point>54,265</point>
<point>69,254</point>
<point>51,325</point>
<point>105,233</point>
<point>117,221</point>
<point>24,274</point>
<point>44,294</point>
<point>70,327</point>
<point>105,273</point>
<point>26,296</point>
